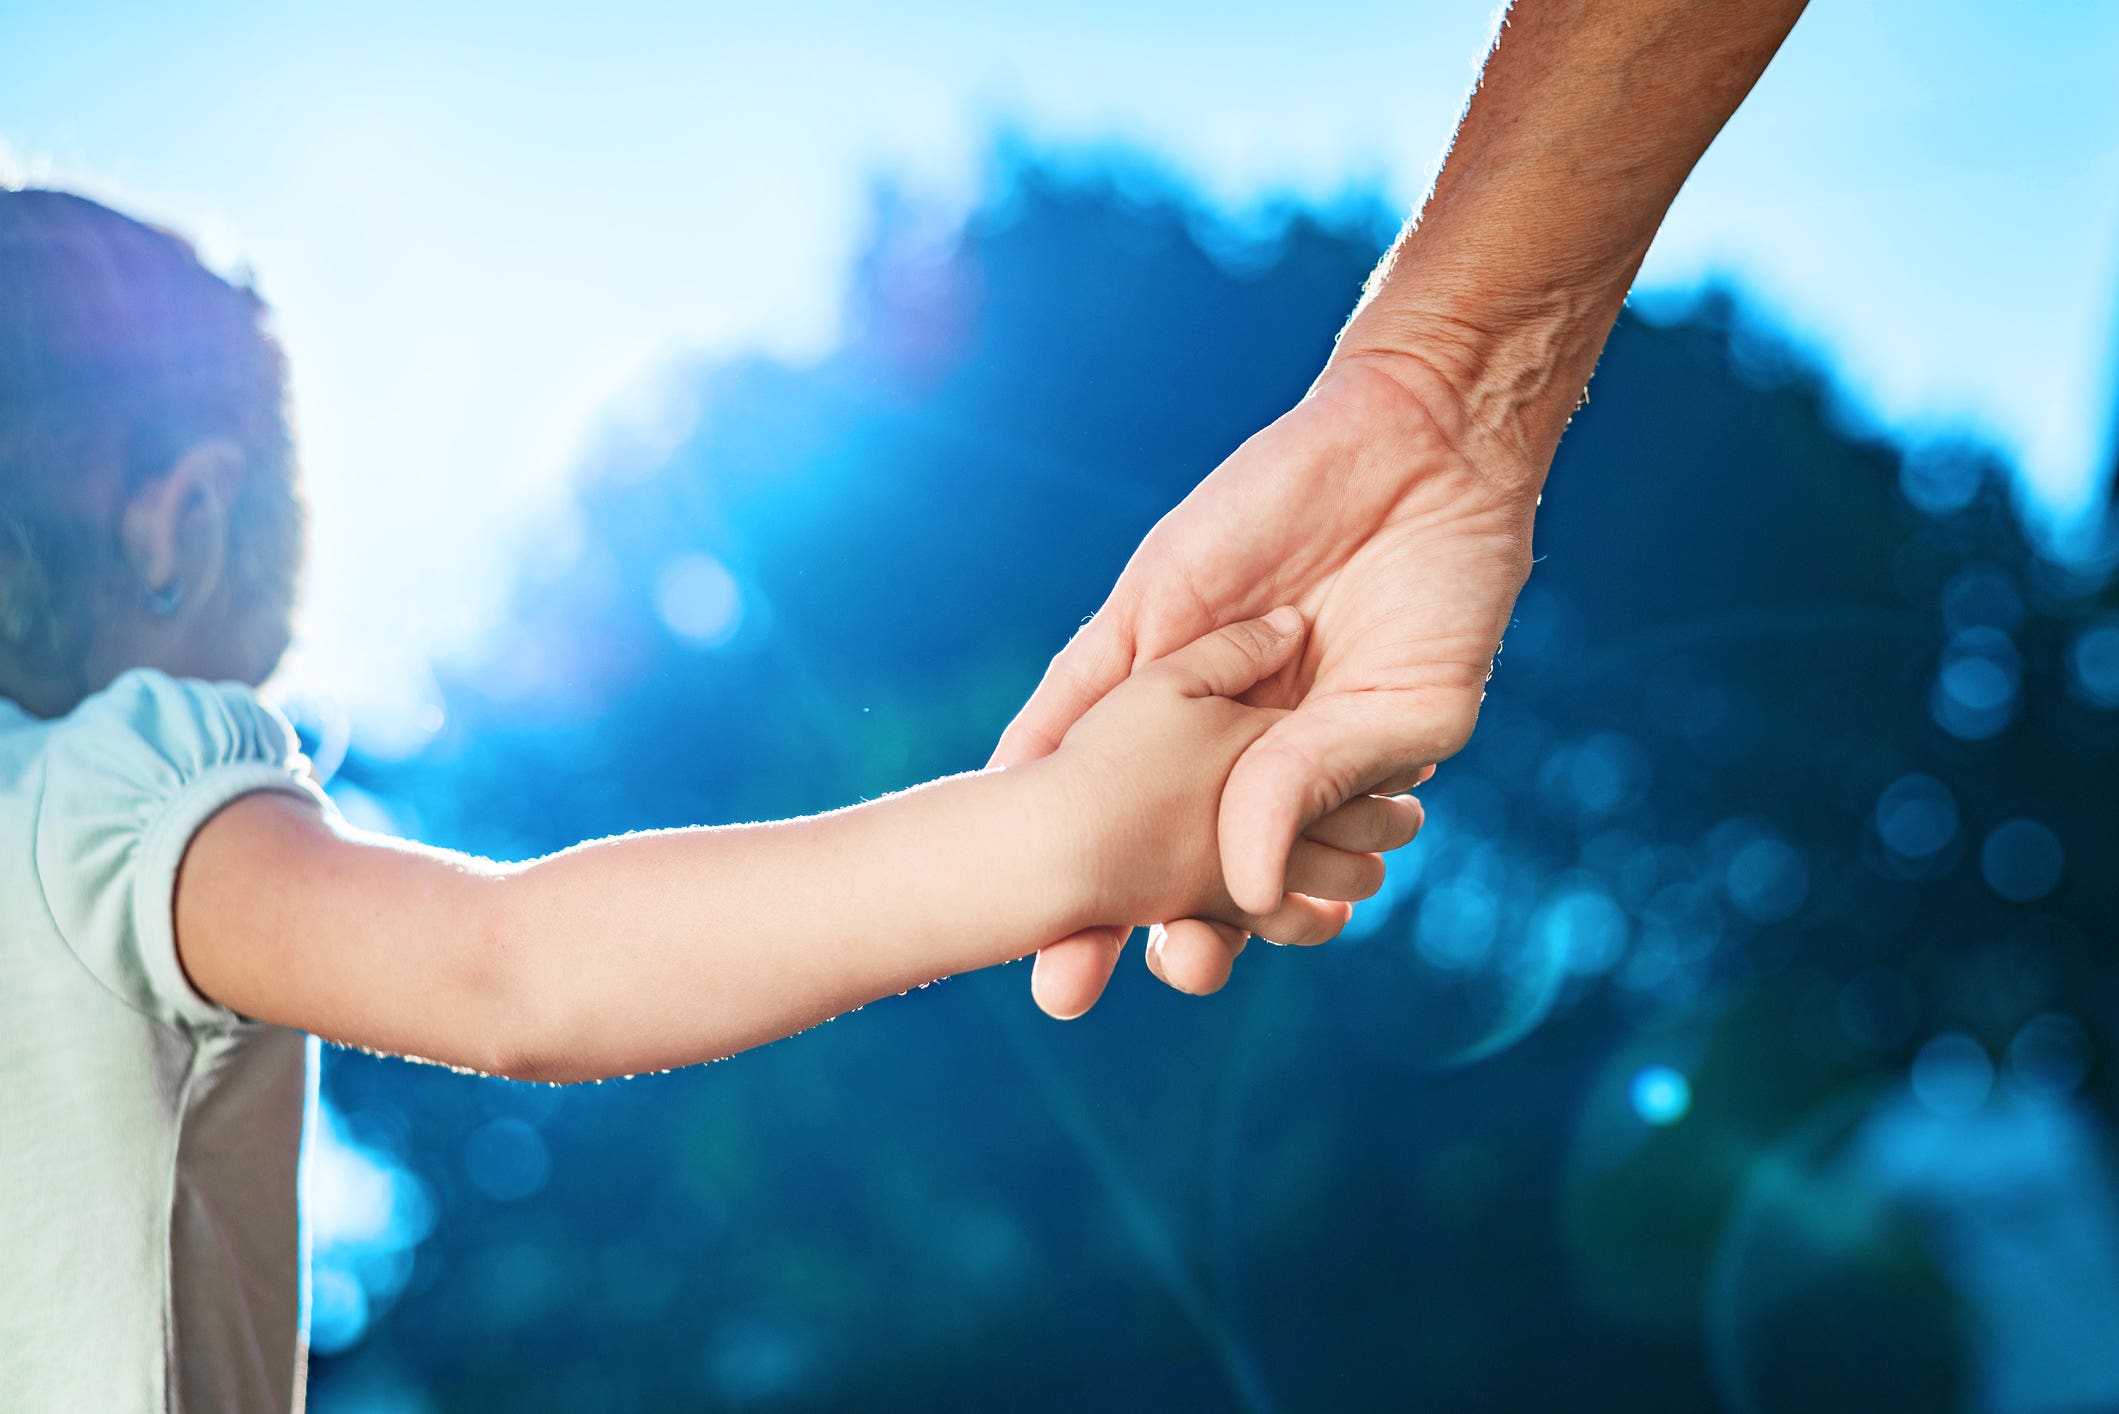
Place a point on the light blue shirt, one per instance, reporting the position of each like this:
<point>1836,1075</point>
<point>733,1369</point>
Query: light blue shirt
<point>150,1246</point>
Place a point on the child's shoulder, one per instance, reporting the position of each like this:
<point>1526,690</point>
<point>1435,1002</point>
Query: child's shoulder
<point>149,747</point>
<point>148,702</point>
<point>99,807</point>
<point>189,722</point>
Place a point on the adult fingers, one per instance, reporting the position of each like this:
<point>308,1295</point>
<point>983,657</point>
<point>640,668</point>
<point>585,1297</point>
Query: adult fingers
<point>1070,975</point>
<point>1411,779</point>
<point>1095,660</point>
<point>1233,659</point>
<point>1194,954</point>
<point>1313,761</point>
<point>1303,922</point>
<point>1368,824</point>
<point>1320,871</point>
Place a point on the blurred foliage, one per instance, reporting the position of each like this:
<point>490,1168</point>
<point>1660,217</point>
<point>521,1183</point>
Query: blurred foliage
<point>1734,810</point>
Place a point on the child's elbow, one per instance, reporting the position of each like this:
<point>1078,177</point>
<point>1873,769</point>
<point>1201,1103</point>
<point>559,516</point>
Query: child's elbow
<point>535,1067</point>
<point>524,1028</point>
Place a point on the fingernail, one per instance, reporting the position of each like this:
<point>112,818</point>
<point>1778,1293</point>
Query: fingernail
<point>1285,619</point>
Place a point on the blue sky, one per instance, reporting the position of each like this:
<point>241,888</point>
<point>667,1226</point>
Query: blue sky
<point>482,223</point>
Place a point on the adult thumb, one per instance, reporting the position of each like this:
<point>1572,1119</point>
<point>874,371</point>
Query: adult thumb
<point>1094,661</point>
<point>1313,761</point>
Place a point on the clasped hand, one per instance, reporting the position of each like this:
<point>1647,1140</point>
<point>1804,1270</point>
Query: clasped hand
<point>1366,508</point>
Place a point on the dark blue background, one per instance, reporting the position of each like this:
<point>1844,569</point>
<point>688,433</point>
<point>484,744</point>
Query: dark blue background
<point>1737,1034</point>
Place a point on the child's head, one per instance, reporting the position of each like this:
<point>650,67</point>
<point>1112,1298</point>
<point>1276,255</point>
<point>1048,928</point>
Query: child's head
<point>149,508</point>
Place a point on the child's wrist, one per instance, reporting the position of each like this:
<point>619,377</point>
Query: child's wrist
<point>1070,832</point>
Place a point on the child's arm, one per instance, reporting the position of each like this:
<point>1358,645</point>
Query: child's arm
<point>657,950</point>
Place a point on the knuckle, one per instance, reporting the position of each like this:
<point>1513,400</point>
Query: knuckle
<point>1090,657</point>
<point>1251,638</point>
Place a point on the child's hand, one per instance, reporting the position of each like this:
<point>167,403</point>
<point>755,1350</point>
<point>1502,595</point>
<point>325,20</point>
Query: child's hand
<point>1143,772</point>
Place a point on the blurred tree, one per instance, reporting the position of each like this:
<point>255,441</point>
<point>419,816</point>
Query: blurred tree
<point>1798,756</point>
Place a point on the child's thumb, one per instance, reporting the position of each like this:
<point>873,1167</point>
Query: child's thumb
<point>1232,660</point>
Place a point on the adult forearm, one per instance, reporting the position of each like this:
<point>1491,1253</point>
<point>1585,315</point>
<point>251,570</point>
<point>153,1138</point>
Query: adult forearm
<point>1588,118</point>
<point>658,950</point>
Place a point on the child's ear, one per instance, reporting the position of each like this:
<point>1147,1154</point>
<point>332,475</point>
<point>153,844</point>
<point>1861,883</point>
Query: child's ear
<point>175,529</point>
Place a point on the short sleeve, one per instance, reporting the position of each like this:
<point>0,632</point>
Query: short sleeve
<point>129,777</point>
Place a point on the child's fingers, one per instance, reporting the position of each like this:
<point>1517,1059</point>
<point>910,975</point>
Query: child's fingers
<point>1302,921</point>
<point>1323,872</point>
<point>1231,660</point>
<point>1194,954</point>
<point>1368,824</point>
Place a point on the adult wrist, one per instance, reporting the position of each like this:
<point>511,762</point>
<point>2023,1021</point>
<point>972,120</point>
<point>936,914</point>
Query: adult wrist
<point>1394,389</point>
<point>1500,371</point>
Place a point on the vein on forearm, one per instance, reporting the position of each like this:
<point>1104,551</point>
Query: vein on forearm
<point>1586,121</point>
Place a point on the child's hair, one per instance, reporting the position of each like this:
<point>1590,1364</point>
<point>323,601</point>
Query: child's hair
<point>119,352</point>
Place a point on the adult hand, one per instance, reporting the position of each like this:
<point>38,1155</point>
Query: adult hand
<point>1393,505</point>
<point>1402,531</point>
